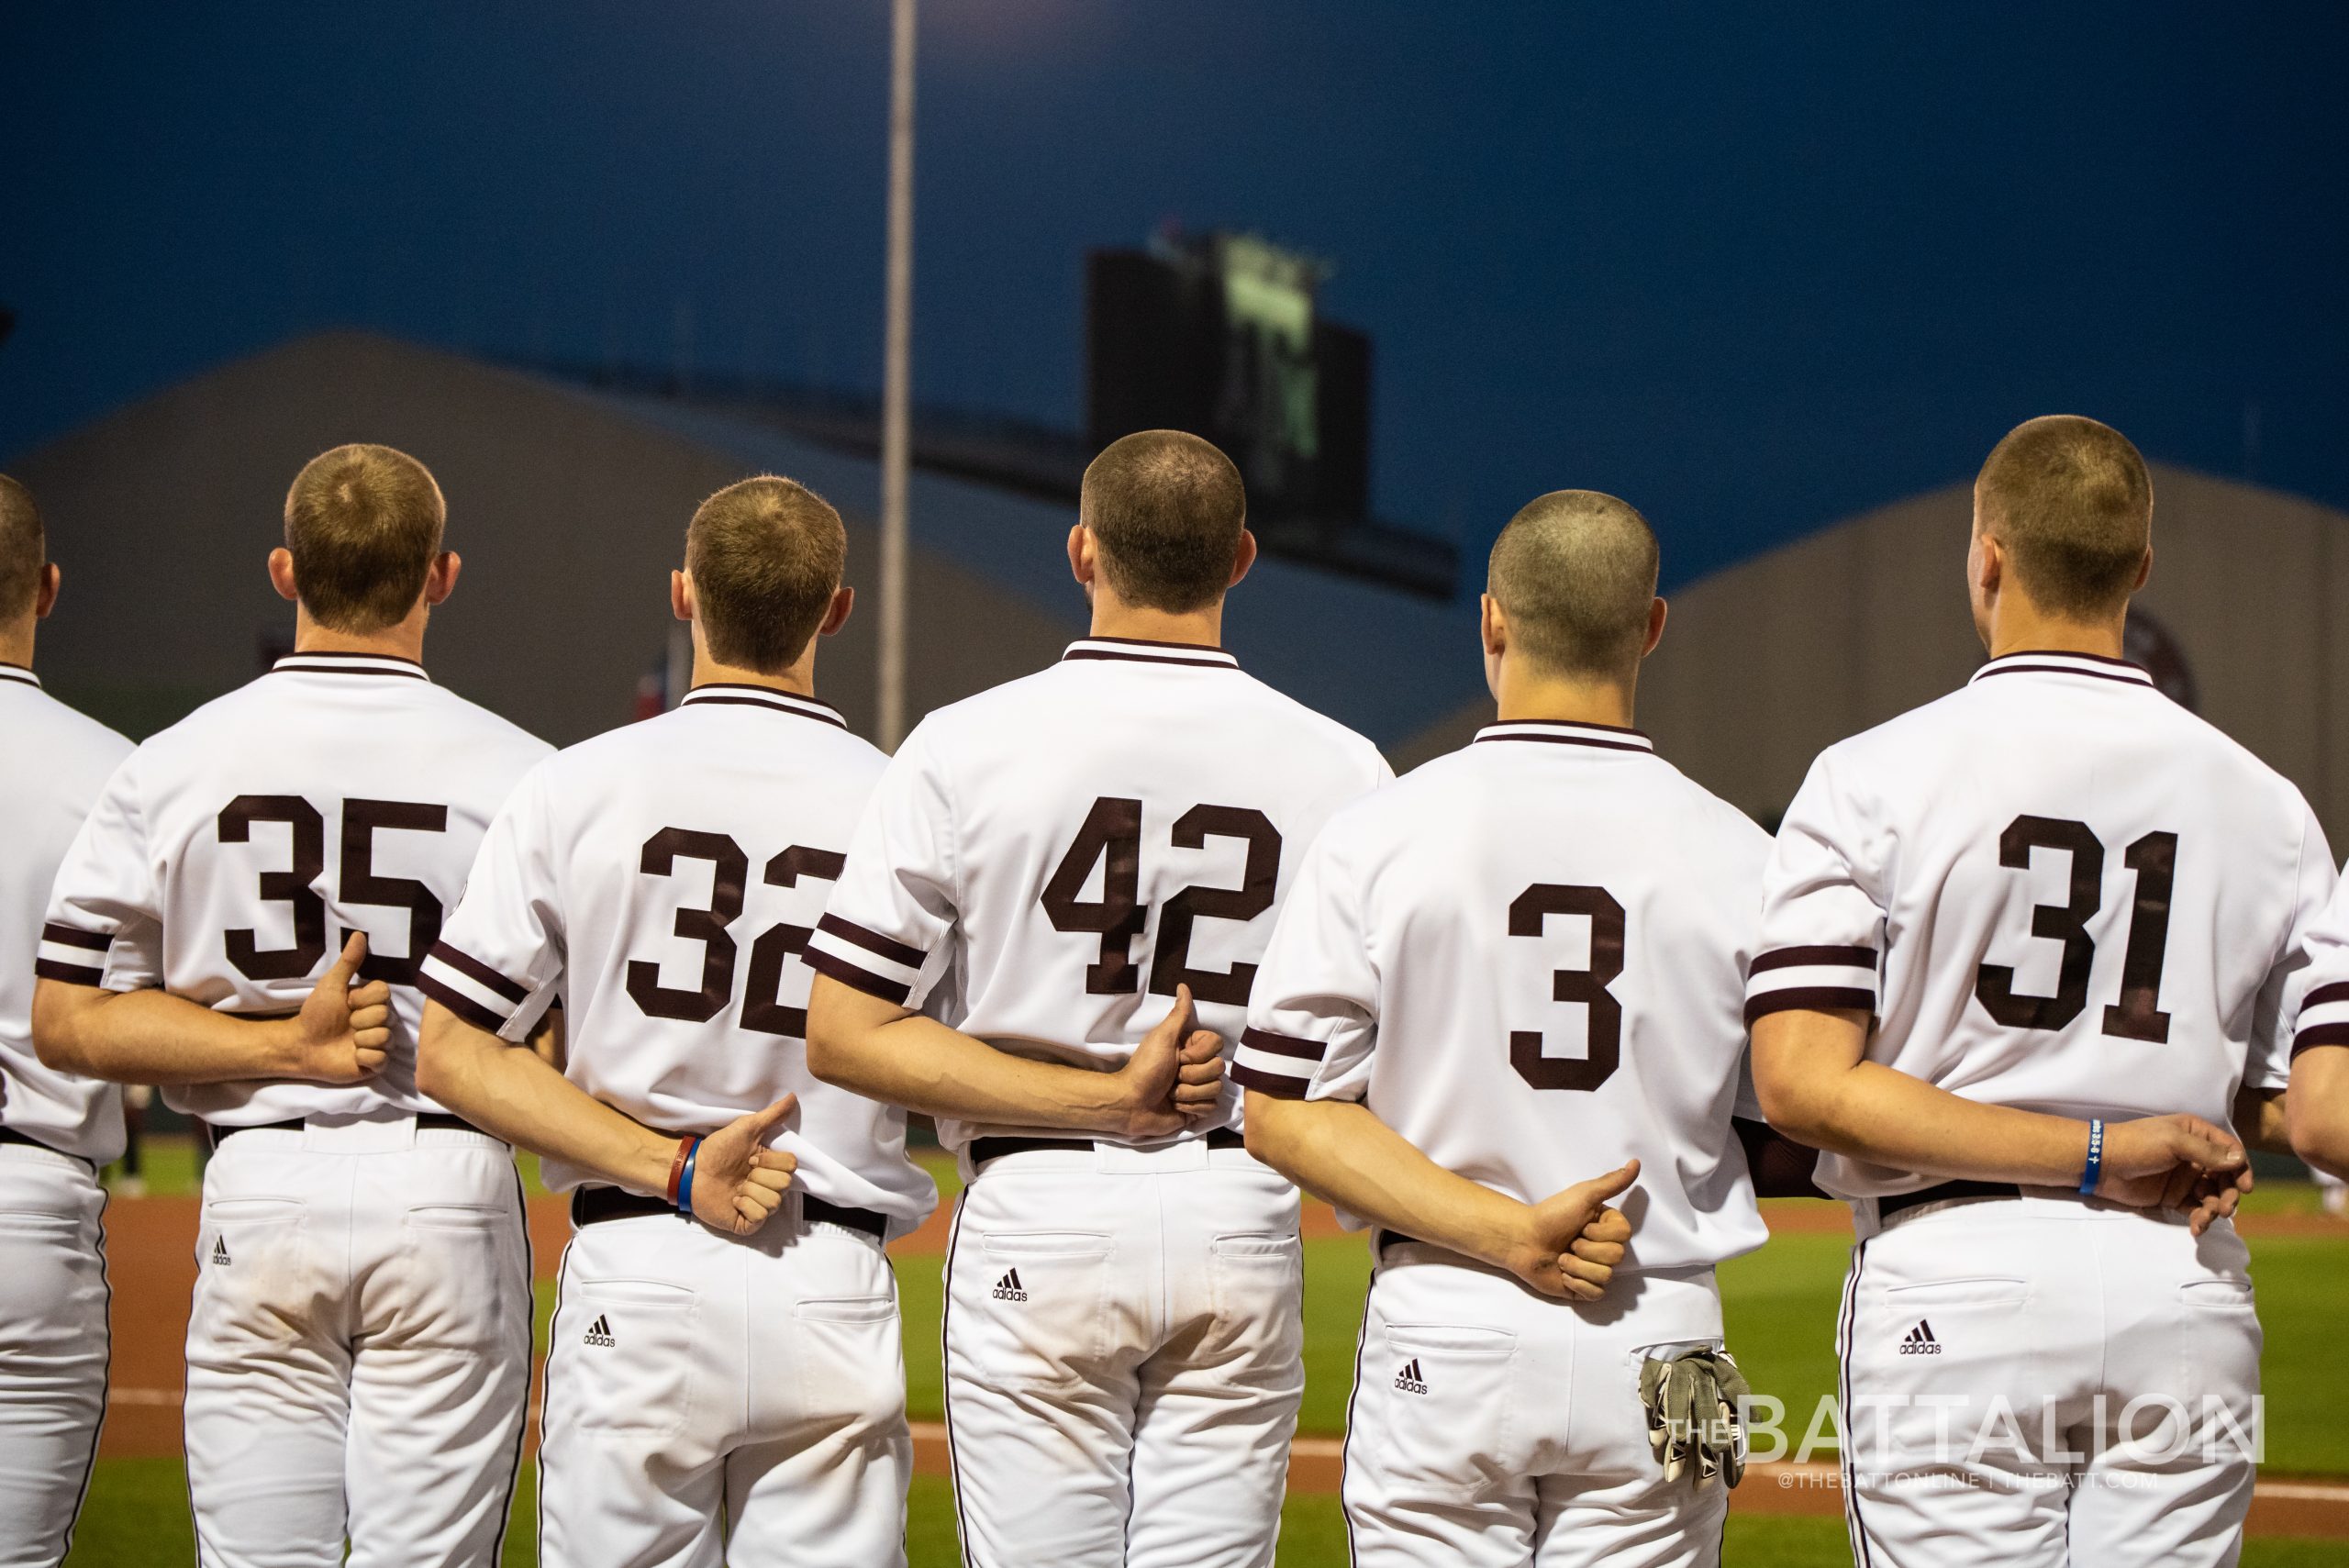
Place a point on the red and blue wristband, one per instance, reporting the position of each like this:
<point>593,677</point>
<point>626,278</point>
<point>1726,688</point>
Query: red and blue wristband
<point>681,1174</point>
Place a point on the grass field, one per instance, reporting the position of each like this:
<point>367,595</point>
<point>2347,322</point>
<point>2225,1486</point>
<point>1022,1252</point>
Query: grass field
<point>1781,1303</point>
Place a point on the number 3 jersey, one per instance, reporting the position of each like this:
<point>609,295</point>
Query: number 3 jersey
<point>2056,890</point>
<point>662,879</point>
<point>232,854</point>
<point>1527,958</point>
<point>1044,862</point>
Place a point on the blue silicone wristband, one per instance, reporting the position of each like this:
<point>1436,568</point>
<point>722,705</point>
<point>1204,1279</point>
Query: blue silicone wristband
<point>2095,1172</point>
<point>686,1179</point>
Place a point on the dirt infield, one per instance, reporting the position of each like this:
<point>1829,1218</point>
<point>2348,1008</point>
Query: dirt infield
<point>151,1246</point>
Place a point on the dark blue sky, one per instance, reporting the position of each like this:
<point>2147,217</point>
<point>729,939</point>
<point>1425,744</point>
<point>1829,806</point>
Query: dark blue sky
<point>1752,271</point>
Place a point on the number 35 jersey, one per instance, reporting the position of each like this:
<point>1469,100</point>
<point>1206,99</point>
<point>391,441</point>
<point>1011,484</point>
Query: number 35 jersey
<point>1044,862</point>
<point>232,855</point>
<point>662,879</point>
<point>1527,958</point>
<point>2056,890</point>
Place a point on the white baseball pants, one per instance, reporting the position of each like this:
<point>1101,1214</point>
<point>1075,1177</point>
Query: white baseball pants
<point>358,1354</point>
<point>1999,1357</point>
<point>1493,1427</point>
<point>1123,1336</point>
<point>52,1348</point>
<point>713,1400</point>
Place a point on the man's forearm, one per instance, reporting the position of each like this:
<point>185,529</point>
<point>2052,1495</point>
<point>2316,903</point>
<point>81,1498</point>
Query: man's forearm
<point>513,1093</point>
<point>2317,1108</point>
<point>153,1037</point>
<point>882,1051</point>
<point>1342,1153</point>
<point>2262,1122</point>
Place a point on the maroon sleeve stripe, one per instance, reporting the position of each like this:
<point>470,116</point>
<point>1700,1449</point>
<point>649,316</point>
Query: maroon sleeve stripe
<point>1809,998</point>
<point>863,980</point>
<point>1273,1084</point>
<point>74,937</point>
<point>456,1002</point>
<point>472,968</point>
<point>2322,1034</point>
<point>71,974</point>
<point>1284,1044</point>
<point>872,941</point>
<point>1807,958</point>
<point>2336,991</point>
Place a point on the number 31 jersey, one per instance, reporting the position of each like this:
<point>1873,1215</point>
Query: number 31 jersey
<point>1044,862</point>
<point>1527,958</point>
<point>2056,890</point>
<point>662,879</point>
<point>232,854</point>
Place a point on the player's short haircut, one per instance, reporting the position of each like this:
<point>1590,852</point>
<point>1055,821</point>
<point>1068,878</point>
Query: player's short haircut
<point>766,556</point>
<point>2072,502</point>
<point>363,523</point>
<point>1574,573</point>
<point>1168,510</point>
<point>24,550</point>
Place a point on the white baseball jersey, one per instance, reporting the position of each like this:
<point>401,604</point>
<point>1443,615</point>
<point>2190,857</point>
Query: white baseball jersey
<point>1529,958</point>
<point>663,878</point>
<point>2056,890</point>
<point>2324,1018</point>
<point>231,855</point>
<point>1044,862</point>
<point>55,763</point>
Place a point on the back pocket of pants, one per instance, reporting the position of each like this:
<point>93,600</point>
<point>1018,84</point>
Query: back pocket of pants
<point>1447,1397</point>
<point>627,1357</point>
<point>1032,1307</point>
<point>851,1365</point>
<point>254,1283</point>
<point>1255,1283</point>
<point>461,1278</point>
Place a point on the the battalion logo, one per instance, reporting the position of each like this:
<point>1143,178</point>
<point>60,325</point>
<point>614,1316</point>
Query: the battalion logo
<point>600,1334</point>
<point>219,1251</point>
<point>1921,1341</point>
<point>1409,1379</point>
<point>1008,1288</point>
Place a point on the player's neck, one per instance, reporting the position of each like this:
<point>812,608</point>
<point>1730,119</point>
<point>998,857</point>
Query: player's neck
<point>1112,617</point>
<point>1528,694</point>
<point>2017,626</point>
<point>17,642</point>
<point>799,680</point>
<point>403,641</point>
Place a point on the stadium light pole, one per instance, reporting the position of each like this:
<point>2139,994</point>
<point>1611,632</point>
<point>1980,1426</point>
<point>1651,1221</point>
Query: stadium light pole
<point>896,376</point>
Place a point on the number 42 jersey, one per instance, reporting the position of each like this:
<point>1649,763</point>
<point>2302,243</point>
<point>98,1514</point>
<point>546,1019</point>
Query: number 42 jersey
<point>232,855</point>
<point>2056,890</point>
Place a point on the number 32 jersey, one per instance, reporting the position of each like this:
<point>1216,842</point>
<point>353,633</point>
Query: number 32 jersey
<point>2056,890</point>
<point>662,880</point>
<point>1044,862</point>
<point>1528,959</point>
<point>232,854</point>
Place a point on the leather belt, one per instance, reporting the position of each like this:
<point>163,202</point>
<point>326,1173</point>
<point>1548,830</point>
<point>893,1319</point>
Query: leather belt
<point>1947,1192</point>
<point>426,1121</point>
<point>10,1135</point>
<point>593,1206</point>
<point>986,1149</point>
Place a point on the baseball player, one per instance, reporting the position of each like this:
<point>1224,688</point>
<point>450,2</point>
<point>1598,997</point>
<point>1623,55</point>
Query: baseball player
<point>239,922</point>
<point>1060,874</point>
<point>2020,949</point>
<point>56,1129</point>
<point>1522,964</point>
<point>731,1390</point>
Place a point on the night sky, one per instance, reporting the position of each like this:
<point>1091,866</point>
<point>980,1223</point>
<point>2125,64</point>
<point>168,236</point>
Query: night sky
<point>1755,272</point>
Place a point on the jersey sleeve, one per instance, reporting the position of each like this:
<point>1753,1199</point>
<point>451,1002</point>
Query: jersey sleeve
<point>105,923</point>
<point>1823,917</point>
<point>895,903</point>
<point>1313,1012</point>
<point>501,954</point>
<point>2306,999</point>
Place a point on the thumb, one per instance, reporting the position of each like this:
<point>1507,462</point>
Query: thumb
<point>767,1120</point>
<point>2207,1147</point>
<point>1183,1016</point>
<point>346,965</point>
<point>1599,1189</point>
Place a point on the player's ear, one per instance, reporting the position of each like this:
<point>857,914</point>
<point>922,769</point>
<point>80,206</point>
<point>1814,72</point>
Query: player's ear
<point>836,616</point>
<point>2145,572</point>
<point>441,577</point>
<point>1656,611</point>
<point>681,595</point>
<point>1492,626</point>
<point>281,574</point>
<point>45,596</point>
<point>1245,558</point>
<point>1081,564</point>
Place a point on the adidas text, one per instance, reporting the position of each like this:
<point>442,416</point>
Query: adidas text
<point>1008,1288</point>
<point>1921,1341</point>
<point>599,1332</point>
<point>1409,1379</point>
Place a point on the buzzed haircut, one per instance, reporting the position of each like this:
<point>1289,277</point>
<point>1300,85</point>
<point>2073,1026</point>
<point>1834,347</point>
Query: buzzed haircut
<point>363,523</point>
<point>1168,510</point>
<point>1574,573</point>
<point>766,555</point>
<point>24,550</point>
<point>2072,502</point>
